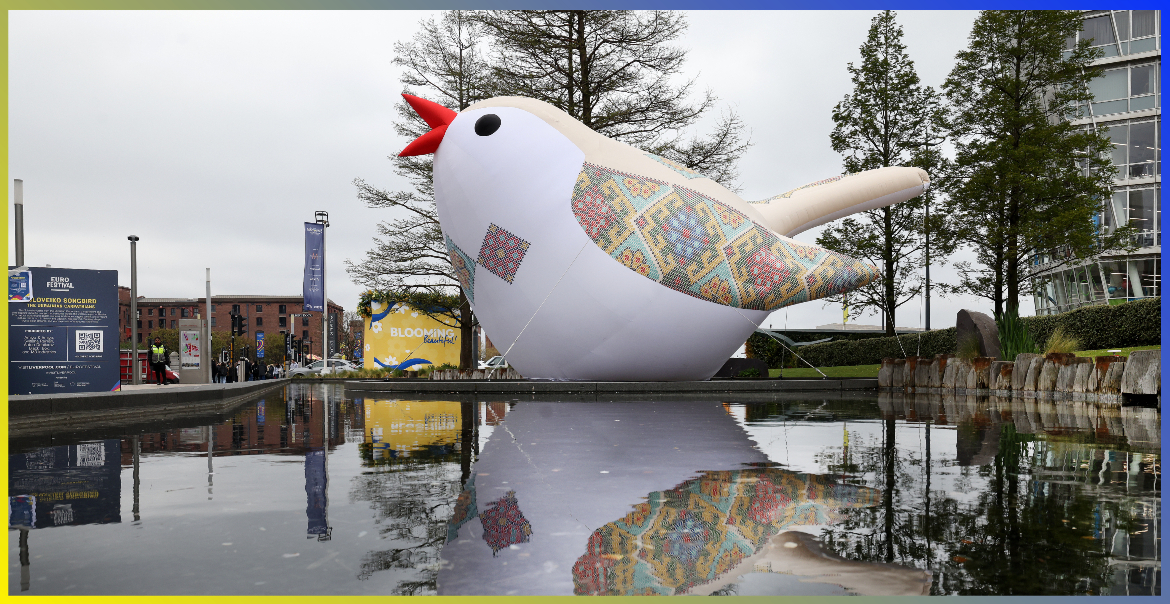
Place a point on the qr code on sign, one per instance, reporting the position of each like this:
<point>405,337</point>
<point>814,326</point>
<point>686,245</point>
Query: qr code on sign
<point>89,341</point>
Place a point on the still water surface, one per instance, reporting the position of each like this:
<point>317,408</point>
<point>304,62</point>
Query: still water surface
<point>313,491</point>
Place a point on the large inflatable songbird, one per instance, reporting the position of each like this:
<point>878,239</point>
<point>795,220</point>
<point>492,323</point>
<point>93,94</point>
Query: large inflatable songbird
<point>587,259</point>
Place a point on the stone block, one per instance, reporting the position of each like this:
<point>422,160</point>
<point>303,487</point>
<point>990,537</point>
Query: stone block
<point>972,324</point>
<point>1067,373</point>
<point>897,374</point>
<point>921,372</point>
<point>1081,380</point>
<point>1110,383</point>
<point>885,373</point>
<point>980,377</point>
<point>1020,372</point>
<point>1002,373</point>
<point>1100,368</point>
<point>1143,373</point>
<point>1049,370</point>
<point>938,368</point>
<point>956,374</point>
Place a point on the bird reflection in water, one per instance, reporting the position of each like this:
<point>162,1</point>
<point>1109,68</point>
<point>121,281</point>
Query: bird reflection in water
<point>706,529</point>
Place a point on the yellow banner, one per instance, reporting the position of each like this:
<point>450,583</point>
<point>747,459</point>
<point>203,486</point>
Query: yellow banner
<point>398,336</point>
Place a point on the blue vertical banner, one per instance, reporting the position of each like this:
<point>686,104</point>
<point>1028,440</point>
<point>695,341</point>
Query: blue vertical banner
<point>314,287</point>
<point>317,490</point>
<point>260,344</point>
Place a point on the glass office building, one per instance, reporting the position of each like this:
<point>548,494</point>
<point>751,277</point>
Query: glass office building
<point>1127,107</point>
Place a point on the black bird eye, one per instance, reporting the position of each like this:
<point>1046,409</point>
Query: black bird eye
<point>487,124</point>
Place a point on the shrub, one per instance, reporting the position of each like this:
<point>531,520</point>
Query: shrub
<point>749,373</point>
<point>1061,341</point>
<point>1014,337</point>
<point>1136,323</point>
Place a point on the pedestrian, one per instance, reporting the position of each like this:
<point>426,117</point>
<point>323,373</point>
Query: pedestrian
<point>247,369</point>
<point>158,360</point>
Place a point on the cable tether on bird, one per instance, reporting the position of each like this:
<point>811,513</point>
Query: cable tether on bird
<point>554,287</point>
<point>781,343</point>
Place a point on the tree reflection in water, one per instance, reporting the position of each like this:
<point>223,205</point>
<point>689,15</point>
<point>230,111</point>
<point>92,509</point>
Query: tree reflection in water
<point>1070,509</point>
<point>412,486</point>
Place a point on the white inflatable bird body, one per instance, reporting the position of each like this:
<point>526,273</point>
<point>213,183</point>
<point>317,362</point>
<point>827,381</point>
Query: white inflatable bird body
<point>587,259</point>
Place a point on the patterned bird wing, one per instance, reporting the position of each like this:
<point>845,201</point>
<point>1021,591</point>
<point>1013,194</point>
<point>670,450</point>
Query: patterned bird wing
<point>702,247</point>
<point>827,200</point>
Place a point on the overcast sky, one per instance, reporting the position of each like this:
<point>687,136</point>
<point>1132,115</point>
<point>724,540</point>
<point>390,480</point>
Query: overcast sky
<point>214,135</point>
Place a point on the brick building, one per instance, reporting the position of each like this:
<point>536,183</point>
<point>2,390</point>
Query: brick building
<point>262,314</point>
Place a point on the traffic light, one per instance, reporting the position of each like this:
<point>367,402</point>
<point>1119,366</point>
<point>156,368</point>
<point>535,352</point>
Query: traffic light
<point>238,326</point>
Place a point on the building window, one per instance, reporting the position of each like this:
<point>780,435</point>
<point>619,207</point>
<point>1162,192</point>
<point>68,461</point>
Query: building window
<point>150,311</point>
<point>172,312</point>
<point>139,323</point>
<point>259,308</point>
<point>174,323</point>
<point>283,321</point>
<point>149,324</point>
<point>282,309</point>
<point>140,337</point>
<point>304,334</point>
<point>212,308</point>
<point>305,321</point>
<point>259,321</point>
<point>213,321</point>
<point>1136,149</point>
<point>235,309</point>
<point>183,313</point>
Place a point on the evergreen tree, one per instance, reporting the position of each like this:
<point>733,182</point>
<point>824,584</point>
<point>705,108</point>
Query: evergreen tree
<point>1028,181</point>
<point>890,119</point>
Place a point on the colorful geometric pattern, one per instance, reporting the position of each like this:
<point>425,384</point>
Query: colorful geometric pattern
<point>502,252</point>
<point>788,194</point>
<point>677,167</point>
<point>703,248</point>
<point>504,524</point>
<point>703,528</point>
<point>464,510</point>
<point>464,268</point>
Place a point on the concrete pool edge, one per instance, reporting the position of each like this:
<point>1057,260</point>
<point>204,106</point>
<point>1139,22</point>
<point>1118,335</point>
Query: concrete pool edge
<point>37,411</point>
<point>540,387</point>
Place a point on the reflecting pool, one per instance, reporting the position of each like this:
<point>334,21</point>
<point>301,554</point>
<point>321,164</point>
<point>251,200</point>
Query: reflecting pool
<point>313,491</point>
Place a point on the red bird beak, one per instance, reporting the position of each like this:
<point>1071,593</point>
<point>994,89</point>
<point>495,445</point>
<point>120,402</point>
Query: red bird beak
<point>437,117</point>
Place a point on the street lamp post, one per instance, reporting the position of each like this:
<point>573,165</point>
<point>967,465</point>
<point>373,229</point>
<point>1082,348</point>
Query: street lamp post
<point>136,379</point>
<point>18,217</point>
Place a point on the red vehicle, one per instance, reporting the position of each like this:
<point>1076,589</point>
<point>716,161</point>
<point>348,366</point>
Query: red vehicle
<point>144,369</point>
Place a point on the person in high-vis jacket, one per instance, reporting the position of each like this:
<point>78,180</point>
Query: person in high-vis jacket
<point>158,360</point>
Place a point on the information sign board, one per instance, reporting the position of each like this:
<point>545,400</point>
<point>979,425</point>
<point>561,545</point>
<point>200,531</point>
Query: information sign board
<point>64,336</point>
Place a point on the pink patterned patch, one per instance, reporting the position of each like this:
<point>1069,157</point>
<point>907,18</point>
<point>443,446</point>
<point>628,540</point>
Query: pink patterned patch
<point>502,252</point>
<point>767,270</point>
<point>593,212</point>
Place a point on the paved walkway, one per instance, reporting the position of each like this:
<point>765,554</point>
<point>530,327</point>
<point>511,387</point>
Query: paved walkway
<point>184,387</point>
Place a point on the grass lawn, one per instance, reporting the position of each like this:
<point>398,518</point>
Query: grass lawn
<point>854,371</point>
<point>1124,351</point>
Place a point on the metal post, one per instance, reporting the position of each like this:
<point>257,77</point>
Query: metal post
<point>136,378</point>
<point>322,219</point>
<point>18,196</point>
<point>207,331</point>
